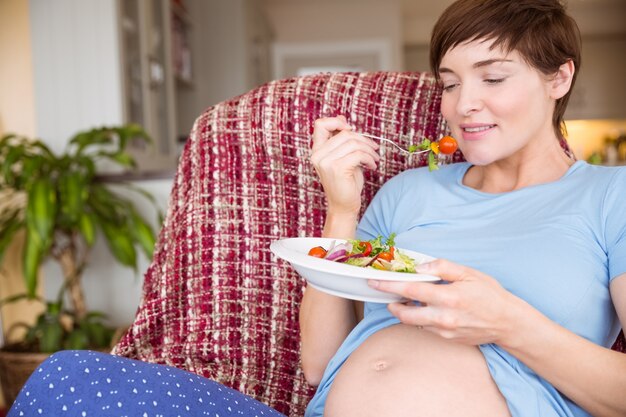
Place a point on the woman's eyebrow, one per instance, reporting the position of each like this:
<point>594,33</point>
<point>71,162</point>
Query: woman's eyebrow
<point>488,62</point>
<point>478,64</point>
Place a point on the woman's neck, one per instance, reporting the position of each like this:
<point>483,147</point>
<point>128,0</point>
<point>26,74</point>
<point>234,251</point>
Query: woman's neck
<point>524,169</point>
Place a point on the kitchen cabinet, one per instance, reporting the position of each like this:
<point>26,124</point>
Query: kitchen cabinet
<point>600,89</point>
<point>156,61</point>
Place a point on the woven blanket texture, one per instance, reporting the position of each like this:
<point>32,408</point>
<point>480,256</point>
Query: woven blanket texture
<point>215,300</point>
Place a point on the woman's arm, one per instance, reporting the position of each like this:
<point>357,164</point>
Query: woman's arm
<point>338,156</point>
<point>590,375</point>
<point>475,309</point>
<point>325,320</point>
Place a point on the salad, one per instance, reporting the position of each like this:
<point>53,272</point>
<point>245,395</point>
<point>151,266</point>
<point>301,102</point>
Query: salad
<point>447,145</point>
<point>372,253</point>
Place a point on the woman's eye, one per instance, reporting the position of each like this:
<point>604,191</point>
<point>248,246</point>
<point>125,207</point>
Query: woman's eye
<point>494,80</point>
<point>449,87</point>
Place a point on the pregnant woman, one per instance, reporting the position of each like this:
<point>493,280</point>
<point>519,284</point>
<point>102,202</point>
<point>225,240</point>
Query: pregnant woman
<point>532,243</point>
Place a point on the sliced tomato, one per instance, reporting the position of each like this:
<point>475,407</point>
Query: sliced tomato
<point>366,247</point>
<point>387,256</point>
<point>318,252</point>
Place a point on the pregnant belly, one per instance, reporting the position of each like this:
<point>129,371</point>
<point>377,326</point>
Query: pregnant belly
<point>403,371</point>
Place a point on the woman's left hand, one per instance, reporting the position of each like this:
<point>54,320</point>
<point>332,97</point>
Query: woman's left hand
<point>472,308</point>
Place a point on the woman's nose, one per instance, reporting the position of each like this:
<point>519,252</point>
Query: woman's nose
<point>469,101</point>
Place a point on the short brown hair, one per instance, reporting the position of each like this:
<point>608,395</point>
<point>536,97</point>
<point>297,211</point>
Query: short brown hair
<point>540,30</point>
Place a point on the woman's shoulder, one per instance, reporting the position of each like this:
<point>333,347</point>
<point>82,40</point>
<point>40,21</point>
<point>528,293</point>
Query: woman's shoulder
<point>607,183</point>
<point>611,176</point>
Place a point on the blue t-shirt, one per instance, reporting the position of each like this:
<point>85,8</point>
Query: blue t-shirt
<point>556,245</point>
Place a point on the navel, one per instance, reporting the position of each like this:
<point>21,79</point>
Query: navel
<point>380,365</point>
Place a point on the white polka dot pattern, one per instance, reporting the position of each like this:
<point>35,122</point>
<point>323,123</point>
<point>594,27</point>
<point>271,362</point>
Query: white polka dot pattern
<point>86,384</point>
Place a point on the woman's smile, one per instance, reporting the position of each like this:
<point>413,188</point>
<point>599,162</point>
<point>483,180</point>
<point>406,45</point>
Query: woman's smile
<point>476,131</point>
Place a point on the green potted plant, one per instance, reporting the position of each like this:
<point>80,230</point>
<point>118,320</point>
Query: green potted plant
<point>60,204</point>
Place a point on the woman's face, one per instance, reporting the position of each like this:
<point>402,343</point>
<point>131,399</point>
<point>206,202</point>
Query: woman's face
<point>496,105</point>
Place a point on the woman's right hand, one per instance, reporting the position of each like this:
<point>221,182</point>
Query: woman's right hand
<point>339,155</point>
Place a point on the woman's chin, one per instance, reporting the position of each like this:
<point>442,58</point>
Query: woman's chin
<point>478,160</point>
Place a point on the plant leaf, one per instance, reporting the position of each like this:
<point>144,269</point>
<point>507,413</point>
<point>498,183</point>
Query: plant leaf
<point>121,158</point>
<point>51,335</point>
<point>17,297</point>
<point>5,139</point>
<point>148,197</point>
<point>107,205</point>
<point>35,166</point>
<point>46,150</point>
<point>41,211</point>
<point>72,197</point>
<point>87,227</point>
<point>97,136</point>
<point>98,334</point>
<point>32,258</point>
<point>77,339</point>
<point>120,243</point>
<point>143,234</point>
<point>94,316</point>
<point>8,232</point>
<point>134,132</point>
<point>13,155</point>
<point>88,164</point>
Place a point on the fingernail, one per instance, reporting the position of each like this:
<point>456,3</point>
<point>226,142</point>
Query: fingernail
<point>373,283</point>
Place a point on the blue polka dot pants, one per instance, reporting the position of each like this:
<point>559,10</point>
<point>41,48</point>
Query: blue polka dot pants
<point>90,384</point>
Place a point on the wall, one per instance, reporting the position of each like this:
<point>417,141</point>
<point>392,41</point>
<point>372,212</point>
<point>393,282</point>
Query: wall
<point>601,85</point>
<point>77,70</point>
<point>17,115</point>
<point>327,21</point>
<point>221,37</point>
<point>77,85</point>
<point>16,73</point>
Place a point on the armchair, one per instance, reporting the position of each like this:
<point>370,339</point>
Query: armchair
<point>215,300</point>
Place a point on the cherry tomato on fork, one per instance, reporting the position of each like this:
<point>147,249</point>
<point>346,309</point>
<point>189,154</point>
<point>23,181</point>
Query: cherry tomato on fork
<point>447,145</point>
<point>318,252</point>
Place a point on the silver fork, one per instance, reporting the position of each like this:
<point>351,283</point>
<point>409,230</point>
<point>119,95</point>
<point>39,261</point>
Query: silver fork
<point>408,152</point>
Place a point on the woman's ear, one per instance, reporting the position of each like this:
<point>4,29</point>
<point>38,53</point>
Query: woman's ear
<point>562,81</point>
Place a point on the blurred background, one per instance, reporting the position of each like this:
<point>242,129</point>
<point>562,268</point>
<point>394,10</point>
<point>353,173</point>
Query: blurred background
<point>69,65</point>
<point>73,64</point>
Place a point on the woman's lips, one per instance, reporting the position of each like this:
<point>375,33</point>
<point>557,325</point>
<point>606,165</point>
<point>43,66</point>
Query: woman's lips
<point>475,131</point>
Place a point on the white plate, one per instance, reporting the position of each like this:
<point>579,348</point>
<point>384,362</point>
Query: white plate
<point>341,279</point>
